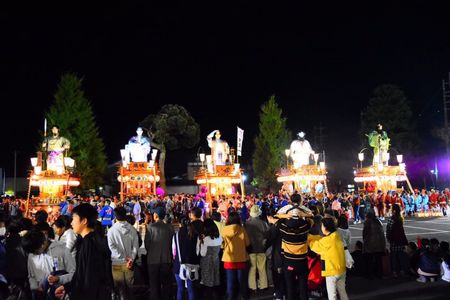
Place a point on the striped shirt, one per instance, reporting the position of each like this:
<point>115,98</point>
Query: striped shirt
<point>294,237</point>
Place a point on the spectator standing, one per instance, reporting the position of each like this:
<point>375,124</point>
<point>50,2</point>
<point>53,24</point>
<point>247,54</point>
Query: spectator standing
<point>258,231</point>
<point>235,256</point>
<point>208,247</point>
<point>93,276</point>
<point>158,243</point>
<point>123,241</point>
<point>49,263</point>
<point>294,236</point>
<point>107,216</point>
<point>185,245</point>
<point>395,235</point>
<point>374,245</point>
<point>64,233</point>
<point>331,250</point>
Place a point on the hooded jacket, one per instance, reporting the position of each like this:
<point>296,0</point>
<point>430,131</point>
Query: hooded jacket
<point>331,251</point>
<point>235,241</point>
<point>123,241</point>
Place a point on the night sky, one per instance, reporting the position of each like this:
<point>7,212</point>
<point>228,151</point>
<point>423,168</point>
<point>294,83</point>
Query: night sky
<point>222,62</point>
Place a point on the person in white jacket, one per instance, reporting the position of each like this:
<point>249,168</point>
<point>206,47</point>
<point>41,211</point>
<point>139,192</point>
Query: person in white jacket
<point>64,233</point>
<point>50,263</point>
<point>123,242</point>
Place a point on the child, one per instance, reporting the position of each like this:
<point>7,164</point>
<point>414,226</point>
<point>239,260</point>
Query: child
<point>445,267</point>
<point>428,262</point>
<point>331,250</point>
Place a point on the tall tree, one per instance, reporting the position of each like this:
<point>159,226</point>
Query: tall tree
<point>72,112</point>
<point>270,143</point>
<point>171,128</point>
<point>390,108</point>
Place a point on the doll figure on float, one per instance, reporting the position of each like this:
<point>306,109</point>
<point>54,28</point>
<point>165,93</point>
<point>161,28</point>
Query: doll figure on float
<point>300,151</point>
<point>219,148</point>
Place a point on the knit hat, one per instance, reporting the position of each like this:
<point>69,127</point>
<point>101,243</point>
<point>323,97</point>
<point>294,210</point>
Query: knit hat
<point>255,211</point>
<point>160,212</point>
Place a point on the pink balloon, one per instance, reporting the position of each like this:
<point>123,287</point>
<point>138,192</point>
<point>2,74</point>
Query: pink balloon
<point>160,191</point>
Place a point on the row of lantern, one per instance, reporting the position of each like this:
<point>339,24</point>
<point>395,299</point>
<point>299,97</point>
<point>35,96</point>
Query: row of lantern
<point>388,156</point>
<point>287,152</point>
<point>219,180</point>
<point>127,178</point>
<point>54,182</point>
<point>68,163</point>
<point>210,166</point>
<point>381,178</point>
<point>125,154</point>
<point>301,177</point>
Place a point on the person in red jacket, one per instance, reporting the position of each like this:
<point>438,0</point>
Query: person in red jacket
<point>434,199</point>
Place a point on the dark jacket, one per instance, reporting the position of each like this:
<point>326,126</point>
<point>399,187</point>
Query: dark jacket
<point>188,246</point>
<point>429,262</point>
<point>16,259</point>
<point>93,275</point>
<point>158,243</point>
<point>395,233</point>
<point>373,236</point>
<point>258,232</point>
<point>275,241</point>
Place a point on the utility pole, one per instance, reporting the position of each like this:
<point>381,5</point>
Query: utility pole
<point>444,98</point>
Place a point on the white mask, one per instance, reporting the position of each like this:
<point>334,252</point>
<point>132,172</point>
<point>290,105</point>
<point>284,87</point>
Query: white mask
<point>2,231</point>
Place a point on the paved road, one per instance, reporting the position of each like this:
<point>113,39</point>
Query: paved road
<point>438,227</point>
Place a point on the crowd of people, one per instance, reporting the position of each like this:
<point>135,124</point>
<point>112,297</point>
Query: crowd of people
<point>299,245</point>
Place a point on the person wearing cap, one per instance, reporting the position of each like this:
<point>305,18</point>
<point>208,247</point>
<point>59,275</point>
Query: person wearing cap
<point>293,227</point>
<point>257,231</point>
<point>158,243</point>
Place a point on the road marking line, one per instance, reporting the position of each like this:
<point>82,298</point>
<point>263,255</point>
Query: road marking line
<point>412,233</point>
<point>422,228</point>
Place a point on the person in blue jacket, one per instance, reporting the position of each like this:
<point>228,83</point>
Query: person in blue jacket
<point>107,215</point>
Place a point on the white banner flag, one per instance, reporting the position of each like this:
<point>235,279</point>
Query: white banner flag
<point>240,138</point>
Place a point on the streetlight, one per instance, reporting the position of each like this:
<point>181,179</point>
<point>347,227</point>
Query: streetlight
<point>316,158</point>
<point>202,159</point>
<point>287,152</point>
<point>361,158</point>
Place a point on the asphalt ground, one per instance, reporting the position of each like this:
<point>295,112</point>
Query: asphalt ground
<point>437,227</point>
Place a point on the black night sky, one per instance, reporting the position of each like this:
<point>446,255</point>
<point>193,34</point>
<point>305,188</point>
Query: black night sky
<point>222,62</point>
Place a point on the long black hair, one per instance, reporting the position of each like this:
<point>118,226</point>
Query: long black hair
<point>210,229</point>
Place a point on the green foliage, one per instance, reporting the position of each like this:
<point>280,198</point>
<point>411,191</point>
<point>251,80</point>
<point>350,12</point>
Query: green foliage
<point>173,127</point>
<point>270,143</point>
<point>72,112</point>
<point>390,108</point>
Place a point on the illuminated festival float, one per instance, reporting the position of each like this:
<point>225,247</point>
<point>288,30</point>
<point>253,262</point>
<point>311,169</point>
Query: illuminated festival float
<point>303,175</point>
<point>137,176</point>
<point>380,176</point>
<point>53,174</point>
<point>221,174</point>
